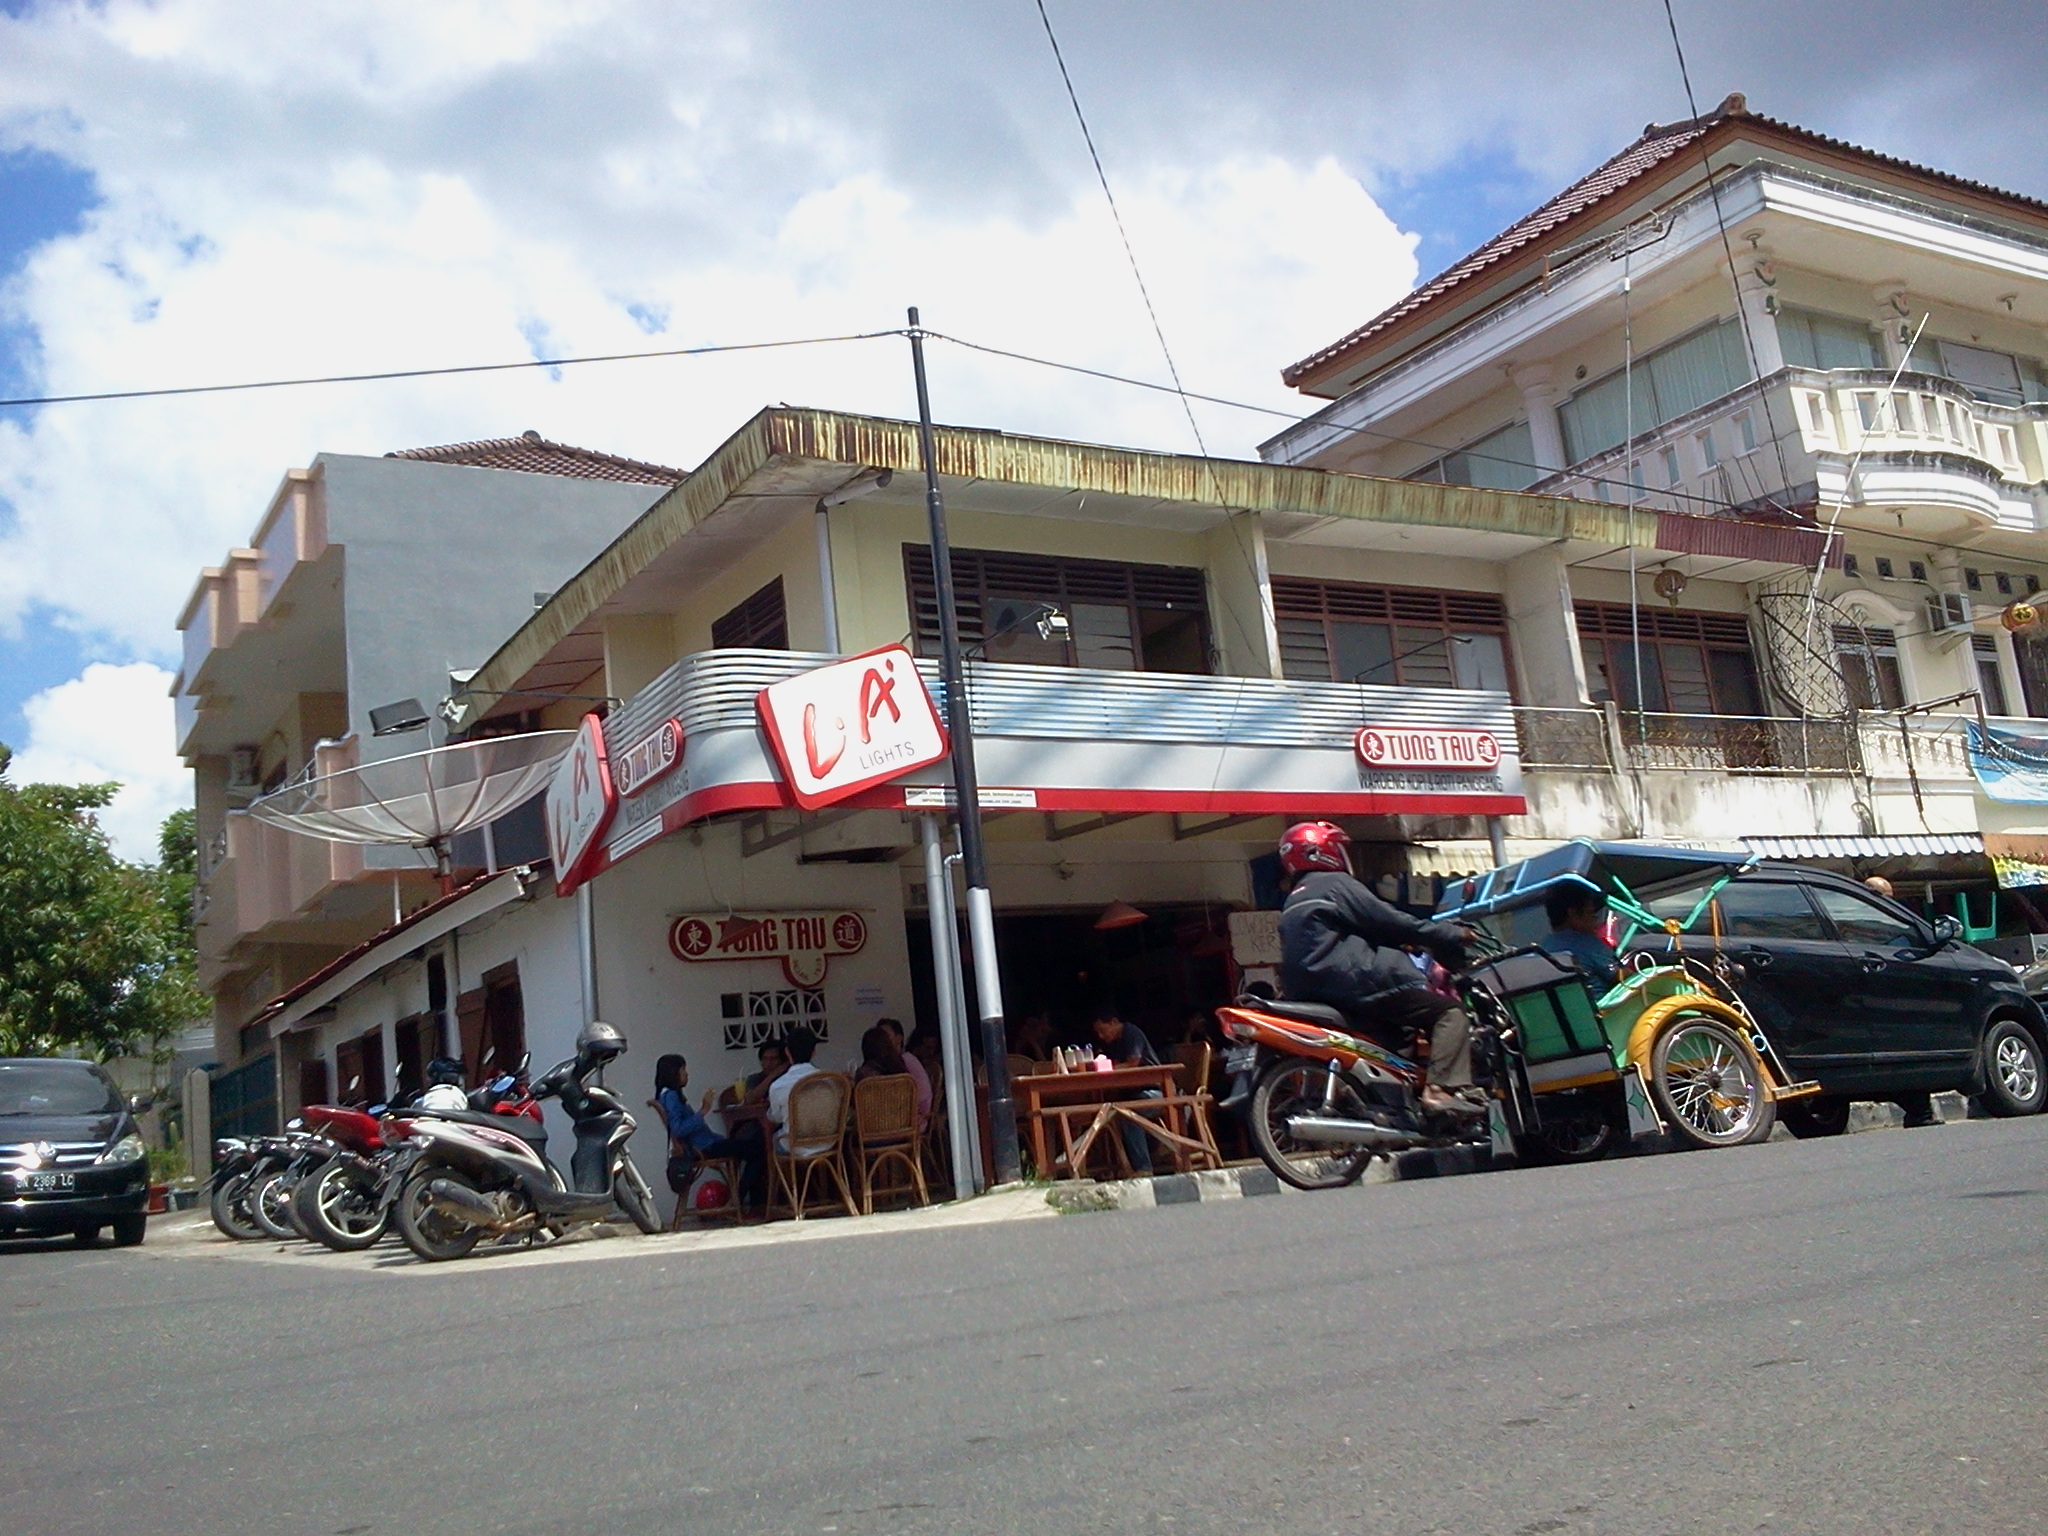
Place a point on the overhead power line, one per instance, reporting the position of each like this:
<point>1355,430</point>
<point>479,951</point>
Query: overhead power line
<point>429,373</point>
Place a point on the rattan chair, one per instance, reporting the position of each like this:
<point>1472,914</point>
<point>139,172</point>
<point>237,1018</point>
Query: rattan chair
<point>816,1132</point>
<point>885,1131</point>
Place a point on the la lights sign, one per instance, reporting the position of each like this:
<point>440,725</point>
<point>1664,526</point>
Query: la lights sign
<point>847,726</point>
<point>581,800</point>
<point>803,941</point>
<point>1387,746</point>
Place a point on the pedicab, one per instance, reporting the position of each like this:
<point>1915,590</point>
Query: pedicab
<point>1670,1049</point>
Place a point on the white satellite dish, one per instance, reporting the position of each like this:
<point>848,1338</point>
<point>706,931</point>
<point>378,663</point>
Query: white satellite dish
<point>422,799</point>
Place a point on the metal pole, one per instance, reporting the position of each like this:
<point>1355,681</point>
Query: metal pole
<point>1497,840</point>
<point>988,986</point>
<point>586,949</point>
<point>960,1012</point>
<point>827,592</point>
<point>957,1061</point>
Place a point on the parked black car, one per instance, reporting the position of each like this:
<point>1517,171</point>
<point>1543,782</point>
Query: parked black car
<point>1869,999</point>
<point>71,1159</point>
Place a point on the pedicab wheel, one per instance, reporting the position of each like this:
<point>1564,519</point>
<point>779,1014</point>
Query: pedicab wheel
<point>1294,1085</point>
<point>1586,1135</point>
<point>1709,1086</point>
<point>338,1206</point>
<point>430,1232</point>
<point>631,1194</point>
<point>229,1204</point>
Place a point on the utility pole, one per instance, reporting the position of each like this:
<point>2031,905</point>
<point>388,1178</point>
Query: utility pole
<point>981,924</point>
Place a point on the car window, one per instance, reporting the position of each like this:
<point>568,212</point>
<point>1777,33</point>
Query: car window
<point>1864,922</point>
<point>1767,909</point>
<point>55,1088</point>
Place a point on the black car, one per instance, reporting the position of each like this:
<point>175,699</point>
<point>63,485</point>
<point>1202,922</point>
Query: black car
<point>71,1159</point>
<point>1867,998</point>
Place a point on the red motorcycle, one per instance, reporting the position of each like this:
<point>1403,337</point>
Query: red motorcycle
<point>337,1203</point>
<point>1327,1099</point>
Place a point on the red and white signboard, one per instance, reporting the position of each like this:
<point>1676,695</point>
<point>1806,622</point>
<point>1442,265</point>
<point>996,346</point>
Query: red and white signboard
<point>850,725</point>
<point>580,804</point>
<point>648,759</point>
<point>1384,746</point>
<point>803,941</point>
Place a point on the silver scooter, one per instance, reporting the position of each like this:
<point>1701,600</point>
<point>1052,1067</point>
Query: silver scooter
<point>464,1176</point>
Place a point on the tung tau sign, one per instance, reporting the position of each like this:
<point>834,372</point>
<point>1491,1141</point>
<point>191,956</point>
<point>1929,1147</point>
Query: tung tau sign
<point>803,941</point>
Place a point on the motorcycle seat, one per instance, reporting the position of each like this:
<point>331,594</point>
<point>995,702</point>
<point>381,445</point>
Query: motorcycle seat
<point>525,1127</point>
<point>1321,1014</point>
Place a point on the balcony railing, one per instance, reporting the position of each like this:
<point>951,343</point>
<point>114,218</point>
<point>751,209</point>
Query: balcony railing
<point>1611,740</point>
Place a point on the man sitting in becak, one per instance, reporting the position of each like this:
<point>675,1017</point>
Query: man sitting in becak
<point>1578,927</point>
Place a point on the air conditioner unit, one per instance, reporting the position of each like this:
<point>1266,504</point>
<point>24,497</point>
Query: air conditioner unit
<point>243,766</point>
<point>1949,616</point>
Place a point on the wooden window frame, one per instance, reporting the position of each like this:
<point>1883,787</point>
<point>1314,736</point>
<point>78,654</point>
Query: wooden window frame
<point>1302,600</point>
<point>1612,627</point>
<point>759,623</point>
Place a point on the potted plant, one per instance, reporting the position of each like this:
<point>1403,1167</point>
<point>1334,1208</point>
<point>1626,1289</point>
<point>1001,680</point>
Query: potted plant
<point>165,1164</point>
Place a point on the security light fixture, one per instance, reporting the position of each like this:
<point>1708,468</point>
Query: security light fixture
<point>397,719</point>
<point>1050,623</point>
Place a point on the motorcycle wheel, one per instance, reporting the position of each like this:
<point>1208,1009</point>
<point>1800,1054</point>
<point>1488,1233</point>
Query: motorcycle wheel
<point>1708,1086</point>
<point>267,1202</point>
<point>430,1233</point>
<point>229,1204</point>
<point>338,1206</point>
<point>632,1195</point>
<point>1291,1085</point>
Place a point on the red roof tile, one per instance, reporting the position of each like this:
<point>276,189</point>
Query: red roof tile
<point>1654,148</point>
<point>530,453</point>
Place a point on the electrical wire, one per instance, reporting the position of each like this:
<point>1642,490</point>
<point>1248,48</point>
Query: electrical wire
<point>429,373</point>
<point>1123,234</point>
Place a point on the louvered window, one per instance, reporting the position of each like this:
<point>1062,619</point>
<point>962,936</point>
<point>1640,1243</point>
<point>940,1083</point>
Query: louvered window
<point>760,623</point>
<point>1402,636</point>
<point>1147,618</point>
<point>1689,662</point>
<point>1869,659</point>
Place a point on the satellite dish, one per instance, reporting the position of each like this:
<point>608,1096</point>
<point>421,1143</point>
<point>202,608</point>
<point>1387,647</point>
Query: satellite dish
<point>422,799</point>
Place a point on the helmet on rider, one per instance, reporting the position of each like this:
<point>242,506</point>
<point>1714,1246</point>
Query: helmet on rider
<point>444,1070</point>
<point>1313,845</point>
<point>600,1041</point>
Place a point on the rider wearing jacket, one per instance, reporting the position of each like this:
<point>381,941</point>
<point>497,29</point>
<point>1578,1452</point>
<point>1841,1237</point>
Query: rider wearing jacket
<point>1342,946</point>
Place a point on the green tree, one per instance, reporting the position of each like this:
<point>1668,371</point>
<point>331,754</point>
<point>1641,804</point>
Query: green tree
<point>95,953</point>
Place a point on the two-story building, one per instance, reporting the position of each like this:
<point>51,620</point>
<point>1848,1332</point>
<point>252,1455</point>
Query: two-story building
<point>1738,318</point>
<point>367,580</point>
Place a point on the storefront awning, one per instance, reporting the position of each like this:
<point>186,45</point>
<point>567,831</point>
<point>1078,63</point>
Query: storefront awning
<point>1899,846</point>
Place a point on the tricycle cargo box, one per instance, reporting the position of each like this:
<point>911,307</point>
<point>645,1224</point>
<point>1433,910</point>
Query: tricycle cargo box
<point>1549,1000</point>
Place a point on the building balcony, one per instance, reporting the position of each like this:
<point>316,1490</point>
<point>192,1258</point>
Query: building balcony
<point>1610,739</point>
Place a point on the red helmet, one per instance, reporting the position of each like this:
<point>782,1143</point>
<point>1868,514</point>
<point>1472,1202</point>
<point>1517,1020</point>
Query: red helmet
<point>1311,845</point>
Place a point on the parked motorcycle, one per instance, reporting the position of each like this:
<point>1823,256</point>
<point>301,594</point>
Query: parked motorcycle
<point>227,1189</point>
<point>339,1202</point>
<point>467,1175</point>
<point>281,1161</point>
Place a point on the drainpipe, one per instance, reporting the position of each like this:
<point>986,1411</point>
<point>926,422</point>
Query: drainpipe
<point>828,595</point>
<point>957,1062</point>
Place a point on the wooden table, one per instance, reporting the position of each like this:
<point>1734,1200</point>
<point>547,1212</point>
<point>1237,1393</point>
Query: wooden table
<point>1105,1098</point>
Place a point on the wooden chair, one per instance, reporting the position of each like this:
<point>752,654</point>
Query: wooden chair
<point>730,1167</point>
<point>885,1131</point>
<point>1027,1066</point>
<point>816,1132</point>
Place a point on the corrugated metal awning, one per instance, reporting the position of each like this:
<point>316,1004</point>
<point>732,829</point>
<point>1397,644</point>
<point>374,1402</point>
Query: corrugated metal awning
<point>1901,846</point>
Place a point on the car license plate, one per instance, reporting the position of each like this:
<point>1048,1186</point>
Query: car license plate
<point>48,1183</point>
<point>1240,1058</point>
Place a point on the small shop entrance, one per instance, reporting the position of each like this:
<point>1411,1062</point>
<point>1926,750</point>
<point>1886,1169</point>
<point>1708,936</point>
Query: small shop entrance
<point>1159,971</point>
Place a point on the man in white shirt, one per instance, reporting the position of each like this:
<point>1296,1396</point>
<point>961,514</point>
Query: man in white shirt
<point>802,1045</point>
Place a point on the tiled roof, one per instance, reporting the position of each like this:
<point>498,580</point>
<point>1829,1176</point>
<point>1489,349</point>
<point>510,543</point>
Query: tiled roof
<point>532,454</point>
<point>1654,148</point>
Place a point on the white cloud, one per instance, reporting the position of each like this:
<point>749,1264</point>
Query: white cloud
<point>110,723</point>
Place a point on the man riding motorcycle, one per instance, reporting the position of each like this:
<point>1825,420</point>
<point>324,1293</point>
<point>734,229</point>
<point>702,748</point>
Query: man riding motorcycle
<point>1340,945</point>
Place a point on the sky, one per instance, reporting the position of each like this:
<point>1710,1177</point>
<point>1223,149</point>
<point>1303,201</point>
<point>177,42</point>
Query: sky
<point>200,191</point>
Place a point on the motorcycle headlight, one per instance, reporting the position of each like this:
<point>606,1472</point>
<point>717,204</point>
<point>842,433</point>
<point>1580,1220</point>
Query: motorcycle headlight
<point>128,1149</point>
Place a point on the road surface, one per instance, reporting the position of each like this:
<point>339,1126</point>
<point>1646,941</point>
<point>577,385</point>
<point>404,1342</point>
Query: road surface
<point>1829,1337</point>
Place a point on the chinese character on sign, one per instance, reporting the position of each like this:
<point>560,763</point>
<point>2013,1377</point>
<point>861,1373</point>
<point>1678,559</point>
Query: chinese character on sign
<point>849,725</point>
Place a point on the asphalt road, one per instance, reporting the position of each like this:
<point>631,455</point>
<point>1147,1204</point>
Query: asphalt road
<point>1829,1337</point>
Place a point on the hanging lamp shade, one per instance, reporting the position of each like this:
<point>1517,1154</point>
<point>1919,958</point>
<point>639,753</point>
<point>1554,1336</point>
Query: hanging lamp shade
<point>1119,914</point>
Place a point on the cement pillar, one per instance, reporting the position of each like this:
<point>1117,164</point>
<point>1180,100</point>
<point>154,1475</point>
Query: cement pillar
<point>1537,383</point>
<point>1242,626</point>
<point>1541,630</point>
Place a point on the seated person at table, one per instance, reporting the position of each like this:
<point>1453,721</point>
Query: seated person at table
<point>753,1088</point>
<point>1032,1036</point>
<point>691,1138</point>
<point>801,1045</point>
<point>893,1028</point>
<point>879,1056</point>
<point>1578,921</point>
<point>1126,1046</point>
<point>925,1047</point>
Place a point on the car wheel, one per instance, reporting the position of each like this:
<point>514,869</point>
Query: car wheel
<point>1822,1115</point>
<point>85,1236</point>
<point>129,1230</point>
<point>2015,1081</point>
